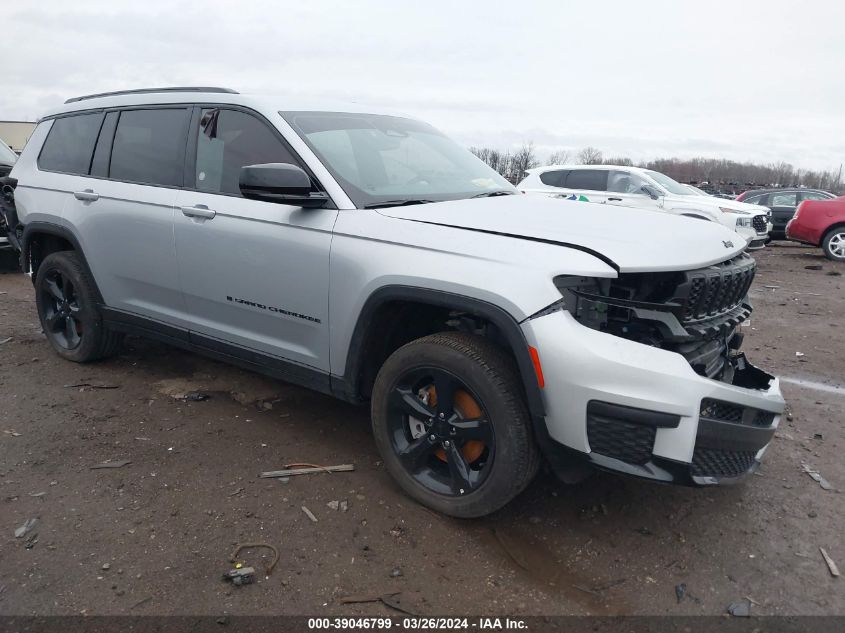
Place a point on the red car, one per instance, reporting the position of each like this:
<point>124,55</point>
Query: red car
<point>820,223</point>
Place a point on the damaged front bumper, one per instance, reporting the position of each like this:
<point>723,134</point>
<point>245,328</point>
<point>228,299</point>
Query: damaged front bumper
<point>637,409</point>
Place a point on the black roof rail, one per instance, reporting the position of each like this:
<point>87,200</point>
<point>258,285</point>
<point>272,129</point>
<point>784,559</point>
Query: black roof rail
<point>149,90</point>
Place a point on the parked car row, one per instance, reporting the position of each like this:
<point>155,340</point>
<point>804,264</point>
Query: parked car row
<point>782,203</point>
<point>633,187</point>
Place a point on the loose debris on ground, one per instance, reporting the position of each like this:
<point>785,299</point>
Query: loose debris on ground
<point>118,464</point>
<point>834,570</point>
<point>307,469</point>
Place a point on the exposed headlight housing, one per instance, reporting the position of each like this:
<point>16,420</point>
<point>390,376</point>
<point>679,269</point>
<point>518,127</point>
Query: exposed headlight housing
<point>737,211</point>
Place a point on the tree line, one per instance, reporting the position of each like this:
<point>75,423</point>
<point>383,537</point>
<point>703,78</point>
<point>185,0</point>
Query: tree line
<point>718,175</point>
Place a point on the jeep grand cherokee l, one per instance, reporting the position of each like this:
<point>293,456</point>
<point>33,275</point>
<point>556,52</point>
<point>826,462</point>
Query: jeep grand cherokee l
<point>365,255</point>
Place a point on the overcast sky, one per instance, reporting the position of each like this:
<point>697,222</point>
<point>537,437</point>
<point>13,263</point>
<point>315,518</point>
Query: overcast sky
<point>746,80</point>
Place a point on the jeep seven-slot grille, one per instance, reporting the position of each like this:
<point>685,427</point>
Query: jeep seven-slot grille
<point>716,290</point>
<point>760,223</point>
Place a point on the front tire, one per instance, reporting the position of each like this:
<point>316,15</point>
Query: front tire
<point>833,244</point>
<point>452,426</point>
<point>67,307</point>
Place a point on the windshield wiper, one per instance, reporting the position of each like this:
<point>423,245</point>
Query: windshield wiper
<point>490,194</point>
<point>397,203</point>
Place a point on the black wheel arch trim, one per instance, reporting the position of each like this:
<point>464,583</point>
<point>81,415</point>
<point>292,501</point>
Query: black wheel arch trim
<point>347,387</point>
<point>33,229</point>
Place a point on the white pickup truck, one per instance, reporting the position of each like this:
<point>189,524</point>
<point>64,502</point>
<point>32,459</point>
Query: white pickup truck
<point>646,189</point>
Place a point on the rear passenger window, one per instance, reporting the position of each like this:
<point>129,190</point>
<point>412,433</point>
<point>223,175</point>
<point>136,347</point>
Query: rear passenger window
<point>784,200</point>
<point>554,178</point>
<point>591,179</point>
<point>228,140</point>
<point>70,143</point>
<point>149,147</point>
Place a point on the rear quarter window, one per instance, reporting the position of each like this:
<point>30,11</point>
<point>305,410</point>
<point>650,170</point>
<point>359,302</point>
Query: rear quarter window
<point>554,178</point>
<point>70,144</point>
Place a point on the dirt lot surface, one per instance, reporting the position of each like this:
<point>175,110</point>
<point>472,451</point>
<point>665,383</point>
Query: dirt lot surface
<point>154,536</point>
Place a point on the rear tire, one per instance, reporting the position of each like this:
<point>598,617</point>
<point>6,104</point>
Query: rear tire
<point>833,244</point>
<point>461,465</point>
<point>68,309</point>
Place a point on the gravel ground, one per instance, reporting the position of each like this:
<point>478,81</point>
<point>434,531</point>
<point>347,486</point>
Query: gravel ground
<point>154,536</point>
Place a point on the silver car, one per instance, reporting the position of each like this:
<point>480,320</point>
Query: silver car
<point>363,254</point>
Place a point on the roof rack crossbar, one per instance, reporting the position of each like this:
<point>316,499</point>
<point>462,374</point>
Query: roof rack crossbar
<point>149,90</point>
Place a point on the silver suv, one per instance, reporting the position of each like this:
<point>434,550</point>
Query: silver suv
<point>365,255</point>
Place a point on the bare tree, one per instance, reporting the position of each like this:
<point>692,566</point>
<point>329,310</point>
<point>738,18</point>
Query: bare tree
<point>622,161</point>
<point>559,157</point>
<point>590,156</point>
<point>523,160</point>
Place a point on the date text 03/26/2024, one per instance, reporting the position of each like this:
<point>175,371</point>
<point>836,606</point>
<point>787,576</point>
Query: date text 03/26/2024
<point>418,623</point>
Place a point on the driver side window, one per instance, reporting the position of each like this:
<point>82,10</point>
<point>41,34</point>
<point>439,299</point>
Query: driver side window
<point>625,182</point>
<point>228,140</point>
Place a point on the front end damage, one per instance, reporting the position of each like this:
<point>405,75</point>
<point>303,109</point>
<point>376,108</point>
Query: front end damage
<point>660,388</point>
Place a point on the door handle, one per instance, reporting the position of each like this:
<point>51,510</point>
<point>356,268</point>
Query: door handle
<point>88,195</point>
<point>614,199</point>
<point>199,211</point>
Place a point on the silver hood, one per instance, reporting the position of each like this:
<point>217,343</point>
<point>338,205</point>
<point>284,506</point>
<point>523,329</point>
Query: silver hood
<point>631,240</point>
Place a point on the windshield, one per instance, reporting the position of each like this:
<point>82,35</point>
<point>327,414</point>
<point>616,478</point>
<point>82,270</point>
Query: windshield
<point>380,159</point>
<point>695,191</point>
<point>668,184</point>
<point>7,156</point>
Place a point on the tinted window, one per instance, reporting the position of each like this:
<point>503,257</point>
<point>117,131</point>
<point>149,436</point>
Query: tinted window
<point>70,143</point>
<point>625,182</point>
<point>149,147</point>
<point>784,200</point>
<point>592,179</point>
<point>228,140</point>
<point>554,178</point>
<point>814,195</point>
<point>758,199</point>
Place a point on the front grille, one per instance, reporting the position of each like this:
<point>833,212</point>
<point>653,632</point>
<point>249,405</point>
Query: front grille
<point>716,290</point>
<point>628,442</point>
<point>730,412</point>
<point>760,223</point>
<point>711,462</point>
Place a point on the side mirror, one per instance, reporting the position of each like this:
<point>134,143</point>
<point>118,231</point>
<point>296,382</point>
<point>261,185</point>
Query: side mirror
<point>650,192</point>
<point>281,183</point>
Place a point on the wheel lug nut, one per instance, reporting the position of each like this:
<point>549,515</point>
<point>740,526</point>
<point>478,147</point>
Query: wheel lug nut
<point>447,444</point>
<point>442,416</point>
<point>432,438</point>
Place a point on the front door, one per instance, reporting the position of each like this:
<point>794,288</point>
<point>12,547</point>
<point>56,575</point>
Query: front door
<point>625,189</point>
<point>254,274</point>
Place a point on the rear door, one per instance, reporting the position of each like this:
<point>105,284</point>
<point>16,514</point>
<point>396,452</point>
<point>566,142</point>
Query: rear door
<point>123,210</point>
<point>586,184</point>
<point>783,205</point>
<point>255,275</point>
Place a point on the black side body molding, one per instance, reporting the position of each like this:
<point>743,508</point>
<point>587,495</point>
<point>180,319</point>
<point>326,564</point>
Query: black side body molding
<point>243,357</point>
<point>347,387</point>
